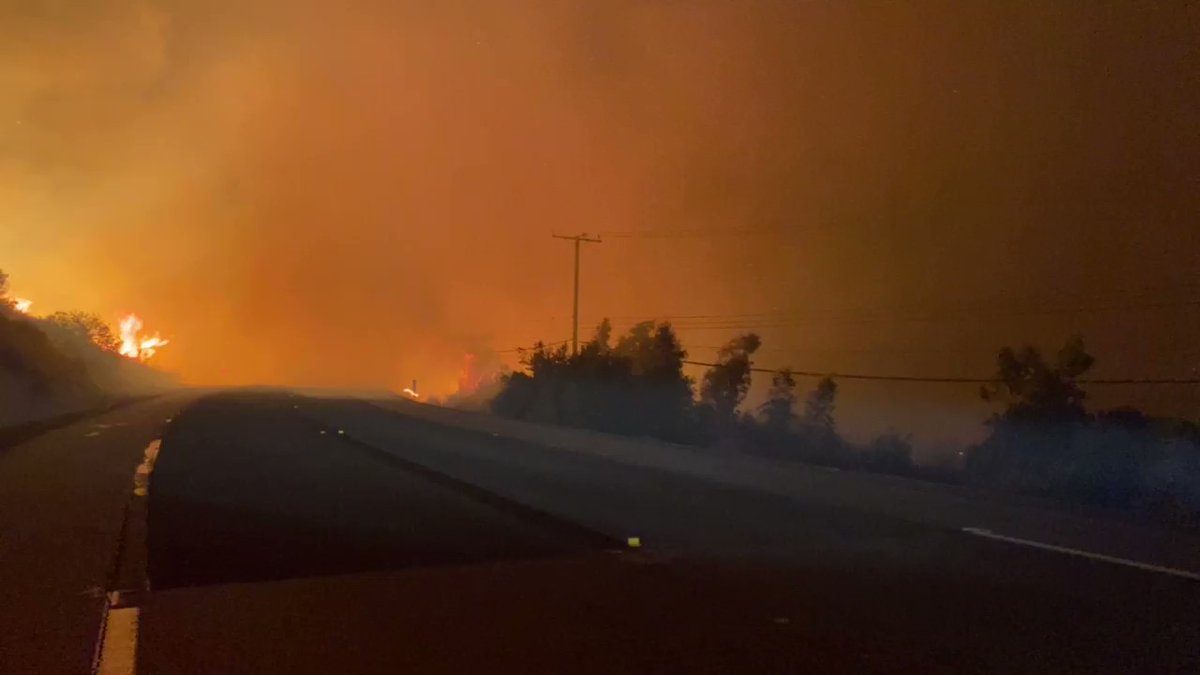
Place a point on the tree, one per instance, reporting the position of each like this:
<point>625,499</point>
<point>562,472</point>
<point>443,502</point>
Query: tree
<point>637,387</point>
<point>603,336</point>
<point>778,412</point>
<point>659,395</point>
<point>5,301</point>
<point>818,409</point>
<point>84,326</point>
<point>1034,390</point>
<point>654,350</point>
<point>638,346</point>
<point>725,384</point>
<point>1032,443</point>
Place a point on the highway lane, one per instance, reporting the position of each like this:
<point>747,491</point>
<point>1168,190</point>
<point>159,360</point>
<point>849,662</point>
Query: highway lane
<point>461,551</point>
<point>249,487</point>
<point>929,504</point>
<point>62,499</point>
<point>405,545</point>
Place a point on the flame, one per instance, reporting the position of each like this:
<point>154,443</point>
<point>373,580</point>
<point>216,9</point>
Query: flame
<point>133,345</point>
<point>470,376</point>
<point>22,305</point>
<point>410,392</point>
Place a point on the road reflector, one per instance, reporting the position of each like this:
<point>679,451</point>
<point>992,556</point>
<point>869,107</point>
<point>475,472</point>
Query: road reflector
<point>341,432</point>
<point>634,542</point>
<point>322,432</point>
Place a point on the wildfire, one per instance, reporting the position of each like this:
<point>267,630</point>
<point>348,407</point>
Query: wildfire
<point>470,376</point>
<point>409,392</point>
<point>22,305</point>
<point>133,344</point>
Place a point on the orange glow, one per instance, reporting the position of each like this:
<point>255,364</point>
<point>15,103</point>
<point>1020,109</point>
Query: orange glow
<point>22,305</point>
<point>355,194</point>
<point>410,393</point>
<point>133,345</point>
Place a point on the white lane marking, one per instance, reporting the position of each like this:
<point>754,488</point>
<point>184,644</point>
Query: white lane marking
<point>981,532</point>
<point>118,651</point>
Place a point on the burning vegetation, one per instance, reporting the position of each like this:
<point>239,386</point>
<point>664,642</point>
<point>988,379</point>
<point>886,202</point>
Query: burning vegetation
<point>69,360</point>
<point>133,344</point>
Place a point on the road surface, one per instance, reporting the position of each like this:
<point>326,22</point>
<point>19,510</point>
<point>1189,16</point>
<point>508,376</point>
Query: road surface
<point>282,533</point>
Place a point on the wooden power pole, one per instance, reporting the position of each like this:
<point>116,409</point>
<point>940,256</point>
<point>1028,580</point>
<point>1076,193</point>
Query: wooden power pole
<point>578,239</point>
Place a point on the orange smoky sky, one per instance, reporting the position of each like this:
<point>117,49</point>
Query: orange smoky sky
<point>356,193</point>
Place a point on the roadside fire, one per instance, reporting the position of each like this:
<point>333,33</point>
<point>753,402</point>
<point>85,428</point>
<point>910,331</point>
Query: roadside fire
<point>133,344</point>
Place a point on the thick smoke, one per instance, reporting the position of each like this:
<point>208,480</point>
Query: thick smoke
<point>354,193</point>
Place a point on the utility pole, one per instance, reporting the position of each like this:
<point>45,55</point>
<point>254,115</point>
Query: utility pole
<point>578,239</point>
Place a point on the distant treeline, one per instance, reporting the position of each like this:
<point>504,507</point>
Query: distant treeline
<point>1042,442</point>
<point>63,362</point>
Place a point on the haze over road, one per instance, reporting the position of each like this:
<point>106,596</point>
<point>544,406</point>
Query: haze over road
<point>287,533</point>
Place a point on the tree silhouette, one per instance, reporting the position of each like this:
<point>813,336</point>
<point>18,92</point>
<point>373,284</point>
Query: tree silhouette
<point>637,387</point>
<point>818,409</point>
<point>1037,391</point>
<point>1032,443</point>
<point>725,384</point>
<point>603,337</point>
<point>778,413</point>
<point>83,326</point>
<point>638,346</point>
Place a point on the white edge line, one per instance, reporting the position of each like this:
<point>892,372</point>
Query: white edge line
<point>116,645</point>
<point>981,532</point>
<point>100,636</point>
<point>118,651</point>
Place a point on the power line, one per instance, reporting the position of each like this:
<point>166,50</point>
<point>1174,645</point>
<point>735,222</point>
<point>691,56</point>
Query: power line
<point>751,321</point>
<point>1078,304</point>
<point>950,380</point>
<point>684,233</point>
<point>882,349</point>
<point>533,346</point>
<point>778,318</point>
<point>906,378</point>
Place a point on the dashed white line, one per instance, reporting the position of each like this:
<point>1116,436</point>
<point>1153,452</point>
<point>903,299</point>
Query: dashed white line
<point>988,534</point>
<point>141,475</point>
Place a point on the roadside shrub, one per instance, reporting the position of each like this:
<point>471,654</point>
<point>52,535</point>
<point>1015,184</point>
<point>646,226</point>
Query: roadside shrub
<point>889,453</point>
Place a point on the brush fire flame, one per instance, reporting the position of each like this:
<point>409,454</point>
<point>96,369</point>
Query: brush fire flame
<point>22,305</point>
<point>133,344</point>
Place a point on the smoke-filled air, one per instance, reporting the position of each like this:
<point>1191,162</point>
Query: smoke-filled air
<point>363,194</point>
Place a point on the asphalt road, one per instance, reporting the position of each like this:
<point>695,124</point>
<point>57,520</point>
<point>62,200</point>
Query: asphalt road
<point>62,501</point>
<point>295,534</point>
